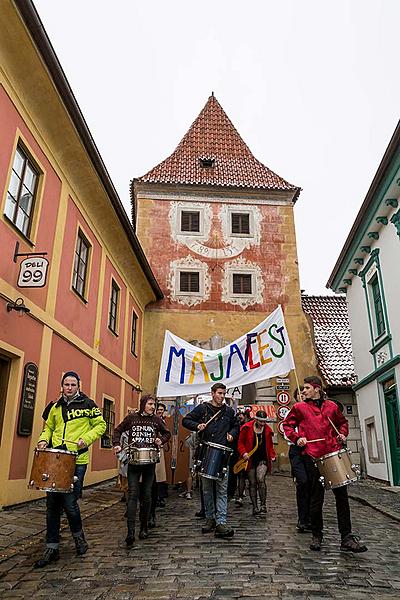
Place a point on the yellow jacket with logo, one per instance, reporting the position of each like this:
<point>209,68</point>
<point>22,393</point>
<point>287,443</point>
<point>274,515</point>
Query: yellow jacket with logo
<point>79,419</point>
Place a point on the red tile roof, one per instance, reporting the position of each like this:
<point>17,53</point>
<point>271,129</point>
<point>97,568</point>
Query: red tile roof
<point>332,339</point>
<point>213,136</point>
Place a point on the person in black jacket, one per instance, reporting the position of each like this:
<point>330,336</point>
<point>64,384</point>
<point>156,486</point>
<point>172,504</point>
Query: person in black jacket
<point>222,430</point>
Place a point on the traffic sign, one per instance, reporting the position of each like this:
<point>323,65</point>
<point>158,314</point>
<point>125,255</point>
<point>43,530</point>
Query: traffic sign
<point>283,398</point>
<point>282,380</point>
<point>280,428</point>
<point>283,386</point>
<point>283,412</point>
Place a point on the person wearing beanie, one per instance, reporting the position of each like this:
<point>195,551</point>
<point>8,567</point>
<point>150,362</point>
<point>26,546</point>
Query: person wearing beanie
<point>73,423</point>
<point>312,419</point>
<point>145,430</point>
<point>255,446</point>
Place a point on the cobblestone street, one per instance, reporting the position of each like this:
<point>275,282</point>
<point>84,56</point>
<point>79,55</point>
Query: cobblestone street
<point>266,558</point>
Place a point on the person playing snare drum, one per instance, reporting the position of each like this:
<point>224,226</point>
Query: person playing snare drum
<point>316,420</point>
<point>146,433</point>
<point>73,423</point>
<point>222,430</point>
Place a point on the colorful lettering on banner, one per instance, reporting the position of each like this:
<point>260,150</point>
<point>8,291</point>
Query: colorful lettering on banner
<point>259,354</point>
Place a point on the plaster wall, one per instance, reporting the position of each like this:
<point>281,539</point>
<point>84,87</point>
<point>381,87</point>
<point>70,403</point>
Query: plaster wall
<point>389,256</point>
<point>360,329</point>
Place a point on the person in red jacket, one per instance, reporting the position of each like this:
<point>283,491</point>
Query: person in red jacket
<point>310,420</point>
<point>257,434</point>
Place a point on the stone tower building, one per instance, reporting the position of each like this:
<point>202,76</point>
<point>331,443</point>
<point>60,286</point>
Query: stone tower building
<point>218,229</point>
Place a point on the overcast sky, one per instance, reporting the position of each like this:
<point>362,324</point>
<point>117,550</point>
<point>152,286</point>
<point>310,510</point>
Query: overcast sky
<point>312,86</point>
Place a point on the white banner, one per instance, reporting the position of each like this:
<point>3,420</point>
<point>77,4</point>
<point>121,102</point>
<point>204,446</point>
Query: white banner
<point>259,354</point>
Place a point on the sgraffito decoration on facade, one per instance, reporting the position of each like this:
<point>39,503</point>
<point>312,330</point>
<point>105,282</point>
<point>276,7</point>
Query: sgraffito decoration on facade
<point>189,264</point>
<point>239,265</point>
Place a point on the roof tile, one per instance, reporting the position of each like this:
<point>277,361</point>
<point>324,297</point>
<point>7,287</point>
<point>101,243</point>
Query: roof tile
<point>213,136</point>
<point>332,338</point>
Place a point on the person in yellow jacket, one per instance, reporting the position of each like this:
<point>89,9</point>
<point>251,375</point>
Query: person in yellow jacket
<point>73,418</point>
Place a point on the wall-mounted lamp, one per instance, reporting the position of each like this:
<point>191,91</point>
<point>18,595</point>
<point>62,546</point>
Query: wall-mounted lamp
<point>18,305</point>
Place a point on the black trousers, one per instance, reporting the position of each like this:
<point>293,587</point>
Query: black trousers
<point>303,484</point>
<point>134,492</point>
<point>317,502</point>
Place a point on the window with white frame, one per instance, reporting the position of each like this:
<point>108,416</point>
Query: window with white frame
<point>81,263</point>
<point>242,283</point>
<point>376,305</point>
<point>189,282</point>
<point>190,221</point>
<point>240,223</point>
<point>22,191</point>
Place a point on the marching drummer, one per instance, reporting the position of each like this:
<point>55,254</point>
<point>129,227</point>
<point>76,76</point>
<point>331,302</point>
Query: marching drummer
<point>73,423</point>
<point>321,429</point>
<point>146,434</point>
<point>216,423</point>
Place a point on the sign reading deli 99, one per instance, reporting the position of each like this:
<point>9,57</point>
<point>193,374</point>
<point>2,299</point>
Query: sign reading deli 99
<point>33,272</point>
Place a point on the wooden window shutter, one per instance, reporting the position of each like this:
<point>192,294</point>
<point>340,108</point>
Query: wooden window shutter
<point>190,221</point>
<point>242,283</point>
<point>189,281</point>
<point>241,223</point>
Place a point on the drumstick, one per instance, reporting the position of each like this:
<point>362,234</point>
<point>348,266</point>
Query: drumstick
<point>213,417</point>
<point>317,440</point>
<point>335,428</point>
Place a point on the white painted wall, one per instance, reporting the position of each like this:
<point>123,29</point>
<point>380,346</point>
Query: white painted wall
<point>360,331</point>
<point>389,244</point>
<point>368,406</point>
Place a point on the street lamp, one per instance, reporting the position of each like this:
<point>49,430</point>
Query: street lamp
<point>18,305</point>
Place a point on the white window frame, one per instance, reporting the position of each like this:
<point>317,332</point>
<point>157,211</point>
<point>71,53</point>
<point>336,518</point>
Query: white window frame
<point>243,211</point>
<point>242,272</point>
<point>198,209</point>
<point>184,269</point>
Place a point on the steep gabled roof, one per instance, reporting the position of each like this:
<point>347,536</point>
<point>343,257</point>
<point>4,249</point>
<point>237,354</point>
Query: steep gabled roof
<point>212,137</point>
<point>332,338</point>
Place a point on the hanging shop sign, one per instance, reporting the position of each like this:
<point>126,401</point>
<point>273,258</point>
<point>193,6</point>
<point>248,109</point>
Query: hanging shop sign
<point>28,399</point>
<point>33,272</point>
<point>283,398</point>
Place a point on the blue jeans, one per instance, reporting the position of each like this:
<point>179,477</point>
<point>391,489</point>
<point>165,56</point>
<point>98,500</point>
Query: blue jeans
<point>56,502</point>
<point>216,508</point>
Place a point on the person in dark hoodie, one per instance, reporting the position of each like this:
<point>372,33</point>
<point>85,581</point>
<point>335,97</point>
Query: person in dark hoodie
<point>222,430</point>
<point>76,418</point>
<point>145,430</point>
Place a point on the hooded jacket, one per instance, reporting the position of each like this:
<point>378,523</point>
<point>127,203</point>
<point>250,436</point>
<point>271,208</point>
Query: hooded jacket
<point>312,422</point>
<point>79,419</point>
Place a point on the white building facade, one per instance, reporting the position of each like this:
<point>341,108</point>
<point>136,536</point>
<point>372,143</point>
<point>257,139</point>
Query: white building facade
<point>368,271</point>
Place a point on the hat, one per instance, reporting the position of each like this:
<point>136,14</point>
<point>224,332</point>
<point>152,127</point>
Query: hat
<point>261,415</point>
<point>70,374</point>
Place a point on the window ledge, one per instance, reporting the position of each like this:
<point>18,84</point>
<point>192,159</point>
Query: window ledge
<point>112,331</point>
<point>380,342</point>
<point>81,298</point>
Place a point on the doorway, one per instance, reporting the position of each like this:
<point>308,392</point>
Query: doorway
<point>4,377</point>
<point>393,422</point>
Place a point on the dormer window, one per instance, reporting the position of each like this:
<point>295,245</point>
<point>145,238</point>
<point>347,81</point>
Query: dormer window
<point>207,163</point>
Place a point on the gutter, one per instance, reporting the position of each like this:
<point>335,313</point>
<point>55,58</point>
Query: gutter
<point>35,27</point>
<point>384,165</point>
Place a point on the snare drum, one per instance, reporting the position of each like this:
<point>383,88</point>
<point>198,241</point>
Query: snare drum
<point>336,469</point>
<point>215,459</point>
<point>143,456</point>
<point>53,470</point>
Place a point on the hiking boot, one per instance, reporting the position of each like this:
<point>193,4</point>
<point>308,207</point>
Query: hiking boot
<point>201,514</point>
<point>303,527</point>
<point>316,542</point>
<point>223,531</point>
<point>208,526</point>
<point>351,543</point>
<point>81,545</point>
<point>50,555</point>
<point>130,538</point>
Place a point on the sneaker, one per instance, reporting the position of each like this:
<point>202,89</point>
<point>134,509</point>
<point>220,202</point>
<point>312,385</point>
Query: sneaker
<point>50,555</point>
<point>81,545</point>
<point>223,531</point>
<point>239,501</point>
<point>256,512</point>
<point>351,543</point>
<point>129,540</point>
<point>303,527</point>
<point>188,495</point>
<point>208,526</point>
<point>263,510</point>
<point>316,542</point>
<point>200,514</point>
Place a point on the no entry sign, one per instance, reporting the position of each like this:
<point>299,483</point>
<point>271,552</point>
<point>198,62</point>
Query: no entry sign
<point>283,398</point>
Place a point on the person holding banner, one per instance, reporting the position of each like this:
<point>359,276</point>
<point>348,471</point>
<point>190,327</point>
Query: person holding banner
<point>145,430</point>
<point>216,423</point>
<point>256,449</point>
<point>313,426</point>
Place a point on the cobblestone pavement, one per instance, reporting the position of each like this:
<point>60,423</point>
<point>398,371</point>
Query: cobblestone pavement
<point>265,559</point>
<point>383,498</point>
